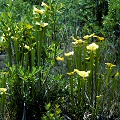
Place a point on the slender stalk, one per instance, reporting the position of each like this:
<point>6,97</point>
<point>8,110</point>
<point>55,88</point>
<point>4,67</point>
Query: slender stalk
<point>91,75</point>
<point>9,51</point>
<point>89,86</point>
<point>16,49</point>
<point>26,60</point>
<point>54,32</point>
<point>76,51</point>
<point>78,56</point>
<point>3,104</point>
<point>83,91</point>
<point>78,59</point>
<point>96,74</point>
<point>109,70</point>
<point>71,82</point>
<point>22,55</point>
<point>39,49</point>
<point>79,92</point>
<point>32,57</point>
<point>39,44</point>
<point>72,96</point>
<point>85,50</point>
<point>3,97</point>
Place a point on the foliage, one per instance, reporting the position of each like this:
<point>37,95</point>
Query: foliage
<point>46,78</point>
<point>52,114</point>
<point>26,98</point>
<point>3,92</point>
<point>112,27</point>
<point>111,21</point>
<point>89,87</point>
<point>30,47</point>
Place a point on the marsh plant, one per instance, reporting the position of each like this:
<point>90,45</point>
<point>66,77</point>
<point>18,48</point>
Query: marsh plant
<point>31,52</point>
<point>35,80</point>
<point>89,86</point>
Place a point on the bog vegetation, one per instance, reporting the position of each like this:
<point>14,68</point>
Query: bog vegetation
<point>61,59</point>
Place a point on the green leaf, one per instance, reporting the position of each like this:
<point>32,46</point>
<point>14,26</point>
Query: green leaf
<point>28,26</point>
<point>1,39</point>
<point>48,106</point>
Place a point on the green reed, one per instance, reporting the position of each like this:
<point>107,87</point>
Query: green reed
<point>69,60</point>
<point>78,61</point>
<point>3,93</point>
<point>89,78</point>
<point>108,84</point>
<point>97,88</point>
